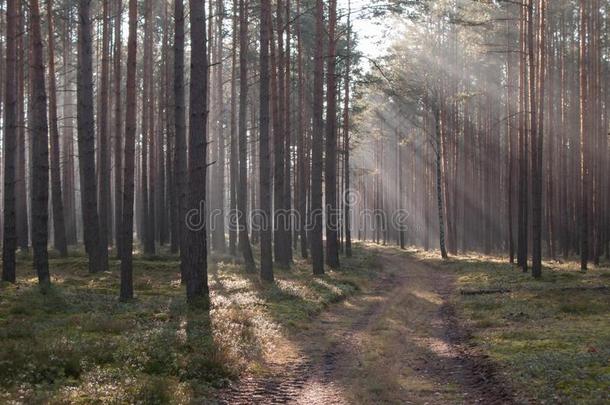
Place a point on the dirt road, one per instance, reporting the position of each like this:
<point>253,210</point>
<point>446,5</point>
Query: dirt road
<point>398,343</point>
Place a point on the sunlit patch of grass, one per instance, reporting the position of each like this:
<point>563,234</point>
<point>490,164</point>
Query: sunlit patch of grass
<point>78,344</point>
<point>551,336</point>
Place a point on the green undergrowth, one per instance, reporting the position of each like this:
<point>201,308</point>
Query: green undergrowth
<point>551,337</point>
<point>77,343</point>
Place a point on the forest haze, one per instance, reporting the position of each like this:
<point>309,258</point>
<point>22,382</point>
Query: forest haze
<point>208,197</point>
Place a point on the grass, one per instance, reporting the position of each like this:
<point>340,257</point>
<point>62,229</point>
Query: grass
<point>551,336</point>
<point>78,344</point>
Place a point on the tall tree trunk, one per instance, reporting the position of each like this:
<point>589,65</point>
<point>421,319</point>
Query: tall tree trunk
<point>118,132</point>
<point>523,155</point>
<point>242,196</point>
<point>148,235</point>
<point>104,144</point>
<point>439,180</point>
<point>23,229</point>
<point>9,244</point>
<point>584,142</point>
<point>98,254</point>
<point>317,246</point>
<point>40,149</point>
<point>59,227</point>
<point>332,217</point>
<point>69,175</point>
<point>218,232</point>
<point>129,162</point>
<point>278,105</point>
<point>287,204</point>
<point>346,144</point>
<point>233,163</point>
<point>301,155</point>
<point>264,222</point>
<point>180,172</point>
<point>537,113</point>
<point>195,260</point>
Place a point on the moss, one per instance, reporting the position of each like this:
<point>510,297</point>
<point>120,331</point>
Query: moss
<point>551,335</point>
<point>78,344</point>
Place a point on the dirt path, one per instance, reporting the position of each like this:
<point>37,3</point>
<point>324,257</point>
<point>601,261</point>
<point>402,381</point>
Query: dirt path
<point>398,343</point>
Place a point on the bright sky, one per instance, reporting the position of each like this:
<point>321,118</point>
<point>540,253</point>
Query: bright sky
<point>374,34</point>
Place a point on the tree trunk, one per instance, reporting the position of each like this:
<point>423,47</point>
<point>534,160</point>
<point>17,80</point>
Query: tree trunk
<point>346,145</point>
<point>180,172</point>
<point>9,244</point>
<point>242,197</point>
<point>129,162</point>
<point>439,181</point>
<point>40,149</point>
<point>103,143</point>
<point>195,260</point>
<point>118,132</point>
<point>301,155</point>
<point>59,227</point>
<point>317,246</point>
<point>332,217</point>
<point>233,163</point>
<point>23,228</point>
<point>98,254</point>
<point>264,221</point>
<point>584,142</point>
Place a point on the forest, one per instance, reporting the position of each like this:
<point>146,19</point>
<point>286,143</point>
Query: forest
<point>305,201</point>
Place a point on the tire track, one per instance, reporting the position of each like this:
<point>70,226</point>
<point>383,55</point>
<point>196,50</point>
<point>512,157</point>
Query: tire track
<point>328,350</point>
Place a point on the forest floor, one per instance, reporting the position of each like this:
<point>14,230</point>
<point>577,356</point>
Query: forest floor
<point>390,326</point>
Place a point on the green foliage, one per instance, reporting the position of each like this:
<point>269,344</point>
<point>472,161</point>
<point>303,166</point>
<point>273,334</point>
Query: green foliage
<point>78,344</point>
<point>552,335</point>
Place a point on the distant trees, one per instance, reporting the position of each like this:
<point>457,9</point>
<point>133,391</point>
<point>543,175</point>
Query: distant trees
<point>505,151</point>
<point>516,129</point>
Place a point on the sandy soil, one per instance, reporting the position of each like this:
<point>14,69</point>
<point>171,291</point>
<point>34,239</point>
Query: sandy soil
<point>400,342</point>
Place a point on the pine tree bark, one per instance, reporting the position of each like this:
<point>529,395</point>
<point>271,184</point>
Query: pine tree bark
<point>315,235</point>
<point>9,244</point>
<point>439,180</point>
<point>69,175</point>
<point>278,105</point>
<point>103,126</point>
<point>148,235</point>
<point>126,250</point>
<point>242,197</point>
<point>118,131</point>
<point>287,204</point>
<point>195,260</point>
<point>40,149</point>
<point>23,225</point>
<point>346,144</point>
<point>218,232</point>
<point>301,155</point>
<point>233,163</point>
<point>180,172</point>
<point>330,169</point>
<point>584,141</point>
<point>98,254</point>
<point>264,220</point>
<point>59,227</point>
